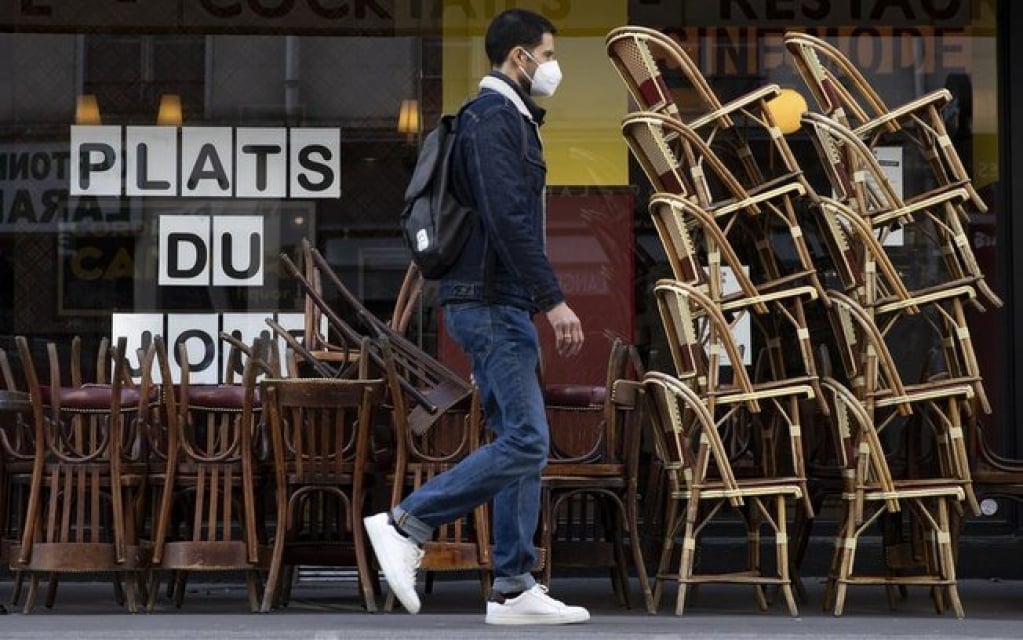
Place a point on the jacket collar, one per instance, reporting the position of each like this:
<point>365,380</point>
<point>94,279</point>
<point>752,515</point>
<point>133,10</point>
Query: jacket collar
<point>497,81</point>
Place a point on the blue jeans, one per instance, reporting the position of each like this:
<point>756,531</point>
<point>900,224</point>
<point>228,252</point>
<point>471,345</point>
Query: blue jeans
<point>503,347</point>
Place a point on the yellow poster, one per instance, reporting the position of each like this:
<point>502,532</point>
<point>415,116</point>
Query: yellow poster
<point>582,139</point>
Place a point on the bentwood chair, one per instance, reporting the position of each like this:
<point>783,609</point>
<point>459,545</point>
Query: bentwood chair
<point>870,493</point>
<point>843,93</point>
<point>431,387</point>
<point>702,483</point>
<point>206,517</point>
<point>86,489</point>
<point>420,455</point>
<point>341,348</point>
<point>17,449</point>
<point>320,432</point>
<point>590,484</point>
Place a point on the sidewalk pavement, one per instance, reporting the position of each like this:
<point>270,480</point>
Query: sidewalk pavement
<point>86,611</point>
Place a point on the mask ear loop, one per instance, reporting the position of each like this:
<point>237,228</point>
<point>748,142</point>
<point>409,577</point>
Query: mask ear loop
<point>523,70</point>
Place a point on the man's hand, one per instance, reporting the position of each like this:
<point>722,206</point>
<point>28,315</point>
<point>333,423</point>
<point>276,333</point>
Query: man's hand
<point>568,331</point>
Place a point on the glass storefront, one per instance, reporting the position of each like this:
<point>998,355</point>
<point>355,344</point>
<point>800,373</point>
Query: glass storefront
<point>158,157</point>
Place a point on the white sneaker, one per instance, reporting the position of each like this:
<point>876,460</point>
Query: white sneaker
<point>534,607</point>
<point>398,558</point>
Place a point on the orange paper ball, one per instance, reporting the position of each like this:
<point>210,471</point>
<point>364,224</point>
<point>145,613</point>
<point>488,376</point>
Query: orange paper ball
<point>786,109</point>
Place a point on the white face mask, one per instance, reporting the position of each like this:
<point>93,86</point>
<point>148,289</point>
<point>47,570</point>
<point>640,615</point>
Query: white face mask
<point>545,79</point>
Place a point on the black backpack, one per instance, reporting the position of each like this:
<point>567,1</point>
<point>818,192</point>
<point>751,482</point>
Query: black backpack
<point>434,224</point>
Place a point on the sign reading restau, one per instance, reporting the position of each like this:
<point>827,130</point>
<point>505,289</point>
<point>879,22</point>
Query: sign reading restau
<point>243,162</point>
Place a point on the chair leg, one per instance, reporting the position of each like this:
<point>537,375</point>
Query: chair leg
<point>51,590</point>
<point>947,555</point>
<point>252,585</point>
<point>180,578</point>
<point>19,580</point>
<point>364,567</point>
<point>33,589</point>
<point>153,589</point>
<point>271,588</point>
<point>548,523</point>
<point>847,555</point>
<point>131,591</point>
<point>636,544</point>
<point>685,565</point>
<point>486,584</point>
<point>289,581</point>
<point>667,543</point>
<point>753,550</point>
<point>782,547</point>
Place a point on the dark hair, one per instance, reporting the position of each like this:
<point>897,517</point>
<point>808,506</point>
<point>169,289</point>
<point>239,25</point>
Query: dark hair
<point>515,28</point>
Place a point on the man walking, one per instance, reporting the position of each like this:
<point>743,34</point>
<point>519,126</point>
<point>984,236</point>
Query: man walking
<point>501,278</point>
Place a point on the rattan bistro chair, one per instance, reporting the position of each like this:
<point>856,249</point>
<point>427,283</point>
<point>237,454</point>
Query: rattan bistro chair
<point>860,183</point>
<point>843,93</point>
<point>702,483</point>
<point>940,403</point>
<point>871,492</point>
<point>638,54</point>
<point>761,221</point>
<point>707,357</point>
<point>702,256</point>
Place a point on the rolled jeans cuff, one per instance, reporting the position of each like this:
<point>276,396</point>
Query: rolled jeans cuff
<point>416,530</point>
<point>514,584</point>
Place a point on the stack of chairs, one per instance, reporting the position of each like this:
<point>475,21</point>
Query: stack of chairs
<point>731,207</point>
<point>739,256</point>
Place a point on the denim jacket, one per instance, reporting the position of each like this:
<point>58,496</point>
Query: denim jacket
<point>498,169</point>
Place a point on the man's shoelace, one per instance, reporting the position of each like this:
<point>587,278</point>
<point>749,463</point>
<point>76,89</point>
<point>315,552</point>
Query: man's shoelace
<point>542,594</point>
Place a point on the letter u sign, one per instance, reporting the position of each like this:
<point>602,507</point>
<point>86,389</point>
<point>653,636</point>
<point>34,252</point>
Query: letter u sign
<point>211,250</point>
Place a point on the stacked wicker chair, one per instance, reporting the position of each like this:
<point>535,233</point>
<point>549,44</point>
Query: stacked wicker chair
<point>730,205</point>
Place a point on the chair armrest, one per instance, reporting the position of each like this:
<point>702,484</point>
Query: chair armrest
<point>936,99</point>
<point>768,91</point>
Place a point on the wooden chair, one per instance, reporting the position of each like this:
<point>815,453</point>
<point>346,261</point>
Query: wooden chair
<point>843,93</point>
<point>706,355</point>
<point>17,449</point>
<point>320,432</point>
<point>206,517</point>
<point>342,350</point>
<point>872,493</point>
<point>590,484</point>
<point>85,490</point>
<point>637,53</point>
<point>860,183</point>
<point>940,403</point>
<point>431,387</point>
<point>702,483</point>
<point>419,455</point>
